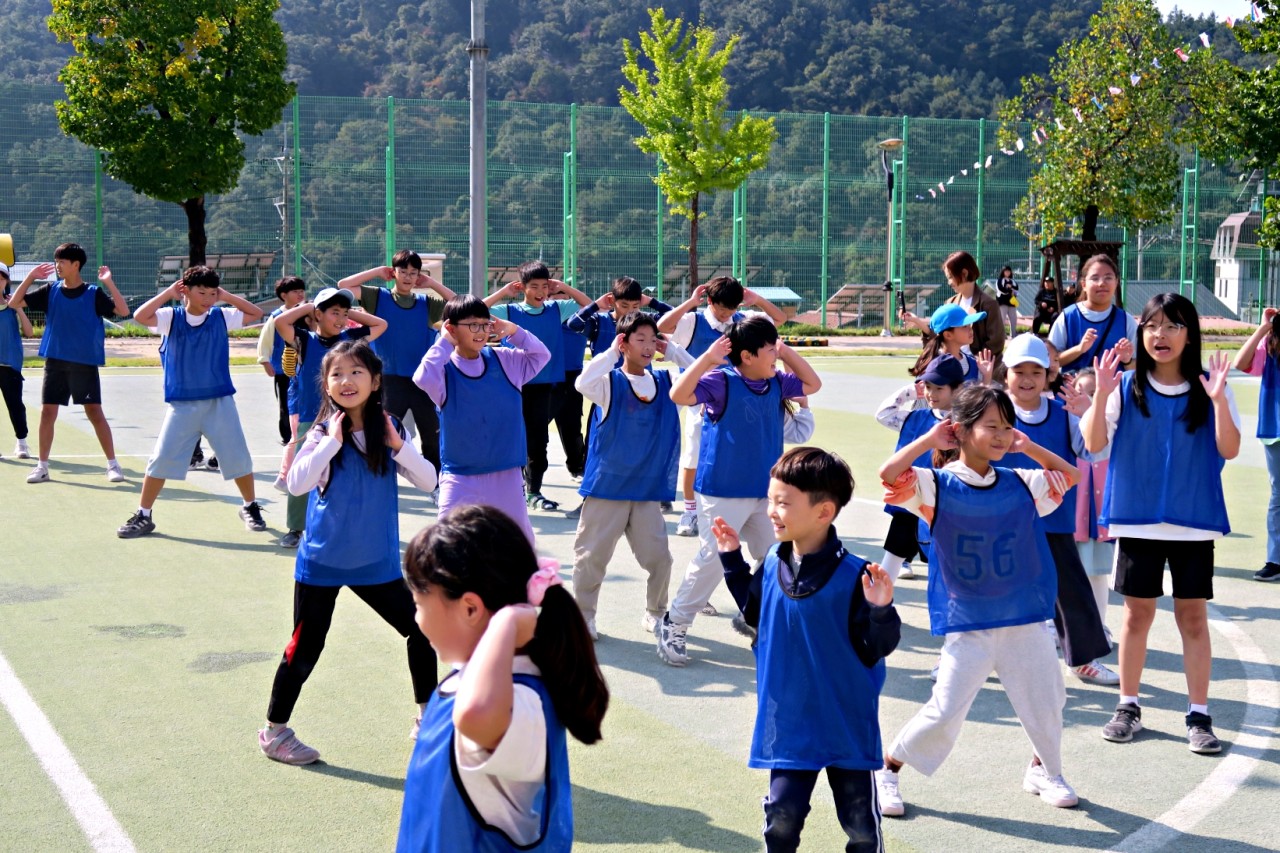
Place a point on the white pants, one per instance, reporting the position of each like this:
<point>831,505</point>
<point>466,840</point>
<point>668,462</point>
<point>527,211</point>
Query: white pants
<point>1024,658</point>
<point>691,437</point>
<point>748,516</point>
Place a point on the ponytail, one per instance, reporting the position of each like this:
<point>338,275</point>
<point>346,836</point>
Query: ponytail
<point>566,657</point>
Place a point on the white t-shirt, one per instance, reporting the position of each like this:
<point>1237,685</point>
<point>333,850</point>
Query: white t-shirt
<point>926,488</point>
<point>594,382</point>
<point>683,334</point>
<point>1058,331</point>
<point>164,319</point>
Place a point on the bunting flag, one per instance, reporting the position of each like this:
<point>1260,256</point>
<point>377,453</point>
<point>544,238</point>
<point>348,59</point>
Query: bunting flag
<point>1230,22</point>
<point>964,173</point>
<point>1156,63</point>
<point>1079,115</point>
<point>951,180</point>
<point>1115,90</point>
<point>1134,79</point>
<point>933,193</point>
<point>1058,122</point>
<point>990,157</point>
<point>977,166</point>
<point>1098,104</point>
<point>1006,152</point>
<point>941,188</point>
<point>1181,54</point>
<point>1020,144</point>
<point>1255,14</point>
<point>1204,39</point>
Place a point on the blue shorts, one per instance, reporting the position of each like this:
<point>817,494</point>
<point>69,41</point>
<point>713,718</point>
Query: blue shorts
<point>184,422</point>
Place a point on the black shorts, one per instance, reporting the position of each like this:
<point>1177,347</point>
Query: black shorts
<point>70,382</point>
<point>1140,568</point>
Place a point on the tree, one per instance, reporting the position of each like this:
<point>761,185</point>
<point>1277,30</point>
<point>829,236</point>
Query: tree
<point>165,89</point>
<point>1112,142</point>
<point>682,104</point>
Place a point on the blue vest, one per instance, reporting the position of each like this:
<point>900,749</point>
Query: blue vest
<point>1075,324</point>
<point>482,421</point>
<point>918,422</point>
<point>546,327</point>
<point>971,373</point>
<point>817,703</point>
<point>277,343</point>
<point>72,328</point>
<point>990,566</point>
<point>408,336</point>
<point>439,817</point>
<point>703,335</point>
<point>10,340</point>
<point>606,331</point>
<point>575,348</point>
<point>634,450</point>
<point>1269,400</point>
<point>196,359</point>
<point>740,446</point>
<point>1053,434</point>
<point>304,389</point>
<point>352,535</point>
<point>1159,472</point>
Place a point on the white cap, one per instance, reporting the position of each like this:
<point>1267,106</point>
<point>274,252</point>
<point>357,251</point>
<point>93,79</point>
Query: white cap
<point>4,269</point>
<point>1026,349</point>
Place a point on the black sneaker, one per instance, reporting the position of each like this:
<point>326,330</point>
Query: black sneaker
<point>1269,572</point>
<point>197,461</point>
<point>739,623</point>
<point>665,506</point>
<point>1125,723</point>
<point>212,464</point>
<point>291,539</point>
<point>251,515</point>
<point>137,525</point>
<point>1200,737</point>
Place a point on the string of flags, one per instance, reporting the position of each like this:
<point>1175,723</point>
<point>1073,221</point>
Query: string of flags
<point>1040,136</point>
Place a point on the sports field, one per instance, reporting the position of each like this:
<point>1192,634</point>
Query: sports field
<point>148,664</point>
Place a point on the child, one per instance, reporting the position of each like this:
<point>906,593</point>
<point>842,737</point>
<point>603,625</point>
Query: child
<point>73,346</point>
<point>631,465</point>
<point>540,394</point>
<point>962,275</point>
<point>991,587</point>
<point>949,331</point>
<point>14,326</point>
<point>904,413</point>
<point>1085,330</point>
<point>696,331</point>
<point>1260,356</point>
<point>1093,543</point>
<point>599,320</point>
<point>824,631</point>
<point>1046,422</point>
<point>1171,428</point>
<point>290,290</point>
<point>198,391</point>
<point>330,313</point>
<point>743,407</point>
<point>347,469</point>
<point>412,319</point>
<point>490,769</point>
<point>477,390</point>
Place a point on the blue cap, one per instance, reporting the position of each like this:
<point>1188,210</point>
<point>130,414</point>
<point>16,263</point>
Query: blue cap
<point>943,370</point>
<point>950,316</point>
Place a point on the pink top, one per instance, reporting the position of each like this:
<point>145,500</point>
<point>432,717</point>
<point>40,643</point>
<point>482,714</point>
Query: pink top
<point>521,362</point>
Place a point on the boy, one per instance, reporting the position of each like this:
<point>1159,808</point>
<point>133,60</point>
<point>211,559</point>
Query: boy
<point>631,464</point>
<point>412,319</point>
<point>742,425</point>
<point>825,621</point>
<point>599,320</point>
<point>696,332</point>
<point>330,312</point>
<point>73,346</point>
<point>197,390</point>
<point>290,290</point>
<point>545,319</point>
<point>14,326</point>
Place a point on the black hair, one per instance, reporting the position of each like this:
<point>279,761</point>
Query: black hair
<point>822,476</point>
<point>479,549</point>
<point>750,335</point>
<point>201,276</point>
<point>1175,309</point>
<point>932,348</point>
<point>71,252</point>
<point>531,270</point>
<point>375,430</point>
<point>1273,337</point>
<point>407,258</point>
<point>464,306</point>
<point>627,289</point>
<point>289,283</point>
<point>726,291</point>
<point>636,321</point>
<point>971,401</point>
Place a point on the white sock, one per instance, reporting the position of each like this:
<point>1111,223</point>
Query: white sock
<point>691,506</point>
<point>1198,709</point>
<point>42,463</point>
<point>144,512</point>
<point>248,504</point>
<point>891,563</point>
<point>1129,700</point>
<point>112,462</point>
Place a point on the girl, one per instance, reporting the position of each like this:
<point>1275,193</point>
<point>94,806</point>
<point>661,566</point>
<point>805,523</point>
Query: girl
<point>991,585</point>
<point>949,331</point>
<point>1260,356</point>
<point>14,326</point>
<point>347,468</point>
<point>1007,289</point>
<point>1085,330</point>
<point>490,770</point>
<point>1171,428</point>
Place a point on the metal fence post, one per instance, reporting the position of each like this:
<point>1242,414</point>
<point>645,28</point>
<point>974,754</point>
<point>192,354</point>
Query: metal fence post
<point>901,183</point>
<point>97,202</point>
<point>297,192</point>
<point>391,178</point>
<point>661,265</point>
<point>826,199</point>
<point>1264,254</point>
<point>982,173</point>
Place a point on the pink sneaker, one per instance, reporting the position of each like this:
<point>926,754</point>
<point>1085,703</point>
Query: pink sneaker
<point>283,745</point>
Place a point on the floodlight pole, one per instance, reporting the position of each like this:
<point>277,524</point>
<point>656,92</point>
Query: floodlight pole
<point>478,51</point>
<point>885,147</point>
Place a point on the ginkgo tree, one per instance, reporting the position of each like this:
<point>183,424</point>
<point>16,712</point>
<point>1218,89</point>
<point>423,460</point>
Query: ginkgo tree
<point>165,89</point>
<point>681,99</point>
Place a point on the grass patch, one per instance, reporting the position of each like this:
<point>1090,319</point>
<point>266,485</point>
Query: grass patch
<point>130,329</point>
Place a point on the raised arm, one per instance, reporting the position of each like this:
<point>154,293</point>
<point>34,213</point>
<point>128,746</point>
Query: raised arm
<point>284,323</point>
<point>1226,433</point>
<point>252,313</point>
<point>941,437</point>
<point>559,288</point>
<point>1244,358</point>
<point>117,300</point>
<point>376,324</point>
<point>482,707</point>
<point>436,286</point>
<point>800,366</point>
<point>146,313</point>
<point>354,281</point>
<point>40,272</point>
<point>510,290</point>
<point>668,322</point>
<point>1093,423</point>
<point>751,299</point>
<point>1045,458</point>
<point>682,392</point>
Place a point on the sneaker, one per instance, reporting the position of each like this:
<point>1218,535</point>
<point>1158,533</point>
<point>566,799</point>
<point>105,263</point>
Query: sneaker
<point>114,474</point>
<point>591,629</point>
<point>648,622</point>
<point>688,524</point>
<point>1126,723</point>
<point>1054,790</point>
<point>576,512</point>
<point>283,746</point>
<point>212,463</point>
<point>433,498</point>
<point>663,506</point>
<point>709,609</point>
<point>21,450</point>
<point>671,639</point>
<point>888,794</point>
<point>905,573</point>
<point>415,728</point>
<point>535,500</point>
<point>197,461</point>
<point>280,485</point>
<point>1269,572</point>
<point>291,539</point>
<point>1200,737</point>
<point>137,525</point>
<point>39,474</point>
<point>1096,673</point>
<point>251,515</point>
<point>739,623</point>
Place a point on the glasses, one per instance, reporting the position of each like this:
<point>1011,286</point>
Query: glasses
<point>1101,279</point>
<point>1164,328</point>
<point>477,328</point>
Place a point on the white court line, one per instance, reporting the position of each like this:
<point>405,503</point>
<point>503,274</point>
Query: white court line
<point>133,456</point>
<point>88,808</point>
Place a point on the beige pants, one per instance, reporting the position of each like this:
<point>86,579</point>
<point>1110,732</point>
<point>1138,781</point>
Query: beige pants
<point>600,526</point>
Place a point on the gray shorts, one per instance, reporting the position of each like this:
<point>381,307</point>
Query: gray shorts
<point>185,421</point>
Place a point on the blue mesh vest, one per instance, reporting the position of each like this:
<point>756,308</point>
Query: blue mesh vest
<point>305,401</point>
<point>10,340</point>
<point>817,703</point>
<point>1269,400</point>
<point>196,359</point>
<point>481,422</point>
<point>606,331</point>
<point>1054,435</point>
<point>1075,323</point>
<point>439,817</point>
<point>408,336</point>
<point>575,348</point>
<point>1159,472</point>
<point>277,343</point>
<point>635,449</point>
<point>73,330</point>
<point>990,566</point>
<point>918,422</point>
<point>545,326</point>
<point>703,335</point>
<point>740,446</point>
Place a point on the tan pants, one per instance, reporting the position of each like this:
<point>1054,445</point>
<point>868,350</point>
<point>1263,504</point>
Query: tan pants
<point>600,526</point>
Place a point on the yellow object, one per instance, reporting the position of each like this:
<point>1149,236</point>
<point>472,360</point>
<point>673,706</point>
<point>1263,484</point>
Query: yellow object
<point>289,361</point>
<point>1013,300</point>
<point>6,250</point>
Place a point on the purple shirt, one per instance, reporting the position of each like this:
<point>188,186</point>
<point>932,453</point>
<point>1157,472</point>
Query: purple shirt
<point>713,387</point>
<point>520,363</point>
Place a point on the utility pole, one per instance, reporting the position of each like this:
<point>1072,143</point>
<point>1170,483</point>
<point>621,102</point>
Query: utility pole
<point>478,51</point>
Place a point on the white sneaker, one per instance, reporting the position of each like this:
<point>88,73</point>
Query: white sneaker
<point>1054,790</point>
<point>1096,673</point>
<point>39,474</point>
<point>279,484</point>
<point>591,629</point>
<point>648,622</point>
<point>688,524</point>
<point>671,641</point>
<point>21,450</point>
<point>114,474</point>
<point>890,798</point>
<point>905,573</point>
<point>709,609</point>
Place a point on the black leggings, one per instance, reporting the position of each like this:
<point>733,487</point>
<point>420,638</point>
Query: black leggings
<point>281,383</point>
<point>902,540</point>
<point>399,397</point>
<point>312,615</point>
<point>1080,631</point>
<point>536,402</point>
<point>787,806</point>
<point>11,387</point>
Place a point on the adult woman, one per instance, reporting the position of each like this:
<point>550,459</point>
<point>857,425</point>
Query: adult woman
<point>1007,297</point>
<point>962,274</point>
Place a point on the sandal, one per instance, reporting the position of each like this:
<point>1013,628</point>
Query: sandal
<point>537,501</point>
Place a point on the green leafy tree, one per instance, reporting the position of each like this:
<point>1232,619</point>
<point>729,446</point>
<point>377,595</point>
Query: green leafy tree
<point>1121,161</point>
<point>165,89</point>
<point>682,104</point>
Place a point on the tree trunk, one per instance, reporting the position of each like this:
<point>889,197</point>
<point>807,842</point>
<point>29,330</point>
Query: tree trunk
<point>1090,229</point>
<point>693,246</point>
<point>197,241</point>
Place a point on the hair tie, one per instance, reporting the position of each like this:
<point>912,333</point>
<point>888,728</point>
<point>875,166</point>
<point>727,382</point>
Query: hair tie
<point>547,575</point>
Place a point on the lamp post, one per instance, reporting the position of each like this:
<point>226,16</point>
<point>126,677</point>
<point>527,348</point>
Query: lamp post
<point>885,146</point>
<point>478,51</point>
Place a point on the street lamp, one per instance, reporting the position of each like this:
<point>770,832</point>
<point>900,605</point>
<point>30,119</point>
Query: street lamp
<point>885,146</point>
